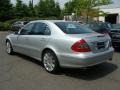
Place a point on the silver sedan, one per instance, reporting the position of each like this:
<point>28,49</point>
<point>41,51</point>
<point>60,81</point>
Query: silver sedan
<point>60,44</point>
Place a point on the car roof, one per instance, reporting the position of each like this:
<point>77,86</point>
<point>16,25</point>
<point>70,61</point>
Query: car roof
<point>52,21</point>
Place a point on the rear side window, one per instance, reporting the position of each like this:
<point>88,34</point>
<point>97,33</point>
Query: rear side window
<point>73,28</point>
<point>41,29</point>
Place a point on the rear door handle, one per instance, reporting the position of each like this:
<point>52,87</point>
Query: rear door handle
<point>26,39</point>
<point>42,39</point>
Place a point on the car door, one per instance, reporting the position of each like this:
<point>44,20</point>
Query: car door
<point>23,39</point>
<point>38,39</point>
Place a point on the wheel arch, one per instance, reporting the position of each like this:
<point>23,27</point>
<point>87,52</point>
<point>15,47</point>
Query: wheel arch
<point>57,65</point>
<point>49,49</point>
<point>8,39</point>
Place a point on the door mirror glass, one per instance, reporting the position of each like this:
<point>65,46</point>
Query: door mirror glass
<point>16,33</point>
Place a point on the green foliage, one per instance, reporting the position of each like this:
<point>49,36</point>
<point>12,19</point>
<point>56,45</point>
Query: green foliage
<point>85,8</point>
<point>57,12</point>
<point>5,26</point>
<point>90,4</point>
<point>1,26</point>
<point>5,10</point>
<point>32,12</point>
<point>44,9</point>
<point>21,10</point>
<point>69,8</point>
<point>48,8</point>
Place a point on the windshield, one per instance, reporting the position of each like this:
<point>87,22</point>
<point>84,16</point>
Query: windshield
<point>73,28</point>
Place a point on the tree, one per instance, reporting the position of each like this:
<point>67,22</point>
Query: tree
<point>57,10</point>
<point>5,10</point>
<point>89,4</point>
<point>21,10</point>
<point>48,8</point>
<point>40,8</point>
<point>84,7</point>
<point>31,9</point>
<point>69,8</point>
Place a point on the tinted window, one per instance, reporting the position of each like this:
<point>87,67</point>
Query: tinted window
<point>27,29</point>
<point>116,26</point>
<point>95,27</point>
<point>41,29</point>
<point>104,25</point>
<point>25,22</point>
<point>73,28</point>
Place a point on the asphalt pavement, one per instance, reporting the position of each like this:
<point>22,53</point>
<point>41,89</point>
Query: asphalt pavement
<point>19,72</point>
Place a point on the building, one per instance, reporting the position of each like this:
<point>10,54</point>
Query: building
<point>113,14</point>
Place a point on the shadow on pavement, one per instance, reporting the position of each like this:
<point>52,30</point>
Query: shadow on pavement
<point>91,73</point>
<point>117,50</point>
<point>29,59</point>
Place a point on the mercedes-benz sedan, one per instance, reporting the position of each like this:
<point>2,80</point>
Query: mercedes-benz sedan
<point>60,44</point>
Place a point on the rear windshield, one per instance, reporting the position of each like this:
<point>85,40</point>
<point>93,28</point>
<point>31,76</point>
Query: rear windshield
<point>73,28</point>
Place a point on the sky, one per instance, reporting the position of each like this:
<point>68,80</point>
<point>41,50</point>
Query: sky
<point>62,2</point>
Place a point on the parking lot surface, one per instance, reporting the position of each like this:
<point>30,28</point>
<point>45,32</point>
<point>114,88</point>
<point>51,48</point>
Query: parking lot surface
<point>19,72</point>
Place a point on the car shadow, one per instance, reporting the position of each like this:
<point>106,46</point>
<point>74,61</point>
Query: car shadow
<point>117,50</point>
<point>29,59</point>
<point>91,73</point>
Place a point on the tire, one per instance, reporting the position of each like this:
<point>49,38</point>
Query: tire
<point>50,62</point>
<point>9,48</point>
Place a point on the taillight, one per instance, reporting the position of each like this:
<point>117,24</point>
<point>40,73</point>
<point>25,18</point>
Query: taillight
<point>81,46</point>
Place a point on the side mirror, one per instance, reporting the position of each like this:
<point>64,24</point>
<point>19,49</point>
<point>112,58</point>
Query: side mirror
<point>16,33</point>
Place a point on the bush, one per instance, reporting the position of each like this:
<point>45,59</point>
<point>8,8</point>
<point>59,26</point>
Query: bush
<point>5,26</point>
<point>1,26</point>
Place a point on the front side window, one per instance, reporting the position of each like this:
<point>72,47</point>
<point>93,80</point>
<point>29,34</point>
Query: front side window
<point>73,28</point>
<point>27,29</point>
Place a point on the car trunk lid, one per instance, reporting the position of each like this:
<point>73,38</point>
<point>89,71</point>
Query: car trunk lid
<point>97,42</point>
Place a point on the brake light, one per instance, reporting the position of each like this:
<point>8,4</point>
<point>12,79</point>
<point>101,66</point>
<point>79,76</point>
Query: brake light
<point>81,46</point>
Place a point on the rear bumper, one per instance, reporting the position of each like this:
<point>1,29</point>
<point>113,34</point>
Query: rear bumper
<point>84,60</point>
